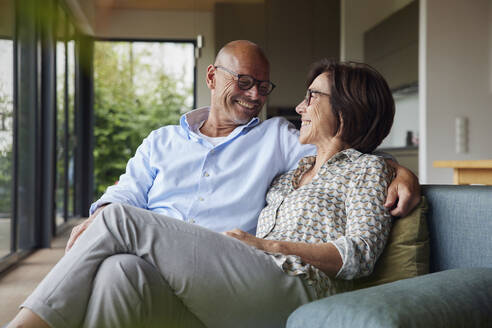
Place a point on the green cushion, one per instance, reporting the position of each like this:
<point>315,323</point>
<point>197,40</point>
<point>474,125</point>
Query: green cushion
<point>406,254</point>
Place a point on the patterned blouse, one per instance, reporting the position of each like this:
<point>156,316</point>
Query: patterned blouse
<point>342,205</point>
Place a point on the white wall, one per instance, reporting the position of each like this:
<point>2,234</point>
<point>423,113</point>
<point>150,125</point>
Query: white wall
<point>406,119</point>
<point>455,80</point>
<point>163,25</point>
<point>359,16</point>
<point>356,18</point>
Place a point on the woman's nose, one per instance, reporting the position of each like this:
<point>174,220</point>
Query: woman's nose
<point>301,108</point>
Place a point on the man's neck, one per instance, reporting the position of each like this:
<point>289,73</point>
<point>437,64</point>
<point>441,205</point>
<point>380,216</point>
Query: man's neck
<point>215,127</point>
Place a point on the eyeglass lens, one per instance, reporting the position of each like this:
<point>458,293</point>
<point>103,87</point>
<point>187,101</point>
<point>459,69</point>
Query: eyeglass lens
<point>307,98</point>
<point>246,82</point>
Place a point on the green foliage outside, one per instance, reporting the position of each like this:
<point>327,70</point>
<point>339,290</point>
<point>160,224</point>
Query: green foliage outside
<point>5,153</point>
<point>65,121</point>
<point>132,98</point>
<point>5,182</point>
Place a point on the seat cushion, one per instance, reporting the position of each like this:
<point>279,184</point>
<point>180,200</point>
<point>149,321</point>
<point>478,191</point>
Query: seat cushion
<point>406,254</point>
<point>452,298</point>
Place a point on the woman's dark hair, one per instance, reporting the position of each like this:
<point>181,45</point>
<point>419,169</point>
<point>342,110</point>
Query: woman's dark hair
<point>361,99</point>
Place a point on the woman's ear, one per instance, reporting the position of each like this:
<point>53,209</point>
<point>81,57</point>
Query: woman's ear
<point>340,129</point>
<point>210,78</point>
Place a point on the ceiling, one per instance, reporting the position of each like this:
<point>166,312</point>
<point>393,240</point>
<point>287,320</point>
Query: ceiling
<point>192,5</point>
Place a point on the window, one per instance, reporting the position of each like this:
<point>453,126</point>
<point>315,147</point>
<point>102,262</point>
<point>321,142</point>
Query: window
<point>6,125</point>
<point>138,87</point>
<point>61,86</point>
<point>37,124</point>
<point>65,134</point>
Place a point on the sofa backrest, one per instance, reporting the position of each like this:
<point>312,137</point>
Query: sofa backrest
<point>460,226</point>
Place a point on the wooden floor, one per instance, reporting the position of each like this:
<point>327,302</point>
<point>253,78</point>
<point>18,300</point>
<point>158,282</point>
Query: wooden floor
<point>17,283</point>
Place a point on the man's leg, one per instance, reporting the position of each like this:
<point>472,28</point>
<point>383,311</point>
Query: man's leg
<point>129,292</point>
<point>221,280</point>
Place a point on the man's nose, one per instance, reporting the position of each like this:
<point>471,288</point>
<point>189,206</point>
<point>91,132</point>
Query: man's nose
<point>253,92</point>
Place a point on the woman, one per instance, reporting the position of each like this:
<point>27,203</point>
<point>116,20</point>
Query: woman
<point>324,224</point>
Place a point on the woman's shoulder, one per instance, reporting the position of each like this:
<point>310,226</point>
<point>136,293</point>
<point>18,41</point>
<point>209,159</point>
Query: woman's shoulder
<point>371,160</point>
<point>364,164</point>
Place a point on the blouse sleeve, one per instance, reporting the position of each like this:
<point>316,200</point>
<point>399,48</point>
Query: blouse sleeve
<point>368,221</point>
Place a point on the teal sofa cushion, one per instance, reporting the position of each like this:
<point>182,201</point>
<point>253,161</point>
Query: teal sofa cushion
<point>460,226</point>
<point>451,298</point>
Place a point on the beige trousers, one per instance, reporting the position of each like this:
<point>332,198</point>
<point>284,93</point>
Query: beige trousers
<point>184,276</point>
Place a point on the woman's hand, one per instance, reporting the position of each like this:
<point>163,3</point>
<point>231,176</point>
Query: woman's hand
<point>324,256</point>
<point>247,238</point>
<point>403,192</point>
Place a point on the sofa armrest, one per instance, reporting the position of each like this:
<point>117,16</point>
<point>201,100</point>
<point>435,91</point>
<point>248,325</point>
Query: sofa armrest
<point>451,298</point>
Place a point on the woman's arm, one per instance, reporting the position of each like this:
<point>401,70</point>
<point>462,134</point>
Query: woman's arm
<point>367,228</point>
<point>323,256</point>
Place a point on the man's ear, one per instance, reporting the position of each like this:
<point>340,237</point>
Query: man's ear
<point>211,77</point>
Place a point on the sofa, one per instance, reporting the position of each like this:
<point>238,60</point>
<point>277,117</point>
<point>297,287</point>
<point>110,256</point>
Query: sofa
<point>456,291</point>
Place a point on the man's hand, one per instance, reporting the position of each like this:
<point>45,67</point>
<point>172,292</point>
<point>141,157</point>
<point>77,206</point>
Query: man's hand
<point>80,228</point>
<point>246,238</point>
<point>403,192</point>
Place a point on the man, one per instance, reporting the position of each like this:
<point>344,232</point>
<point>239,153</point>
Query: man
<point>214,169</point>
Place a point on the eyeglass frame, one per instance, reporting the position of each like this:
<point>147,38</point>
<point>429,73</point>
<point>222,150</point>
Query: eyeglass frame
<point>309,95</point>
<point>255,81</point>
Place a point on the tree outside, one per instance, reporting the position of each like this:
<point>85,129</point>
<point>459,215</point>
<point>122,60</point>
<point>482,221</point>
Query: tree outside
<point>6,142</point>
<point>139,87</point>
<point>6,106</point>
<point>6,126</point>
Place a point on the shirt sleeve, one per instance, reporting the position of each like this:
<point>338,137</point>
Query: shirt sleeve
<point>134,184</point>
<point>368,221</point>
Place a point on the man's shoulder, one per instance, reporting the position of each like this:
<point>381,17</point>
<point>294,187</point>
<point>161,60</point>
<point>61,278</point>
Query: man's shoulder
<point>165,131</point>
<point>277,120</point>
<point>279,125</point>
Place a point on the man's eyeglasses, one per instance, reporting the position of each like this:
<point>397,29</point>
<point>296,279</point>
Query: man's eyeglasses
<point>309,95</point>
<point>246,82</point>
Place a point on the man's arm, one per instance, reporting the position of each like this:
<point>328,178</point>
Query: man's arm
<point>131,189</point>
<point>133,186</point>
<point>403,192</point>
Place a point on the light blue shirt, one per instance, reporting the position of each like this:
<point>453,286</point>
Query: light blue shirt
<point>177,173</point>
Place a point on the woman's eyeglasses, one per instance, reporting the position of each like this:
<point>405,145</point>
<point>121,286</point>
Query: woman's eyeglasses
<point>309,95</point>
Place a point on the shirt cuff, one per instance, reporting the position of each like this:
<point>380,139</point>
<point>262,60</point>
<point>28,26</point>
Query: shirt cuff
<point>96,205</point>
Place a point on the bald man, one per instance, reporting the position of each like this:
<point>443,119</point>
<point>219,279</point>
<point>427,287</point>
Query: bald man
<point>211,171</point>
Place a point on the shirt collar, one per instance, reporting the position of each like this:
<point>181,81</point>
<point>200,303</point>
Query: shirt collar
<point>351,154</point>
<point>307,162</point>
<point>193,119</point>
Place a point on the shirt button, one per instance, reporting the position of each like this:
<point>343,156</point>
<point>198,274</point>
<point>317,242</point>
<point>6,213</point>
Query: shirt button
<point>201,199</point>
<point>192,221</point>
<point>205,174</point>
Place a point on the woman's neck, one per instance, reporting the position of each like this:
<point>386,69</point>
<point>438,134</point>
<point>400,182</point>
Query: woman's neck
<point>325,151</point>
